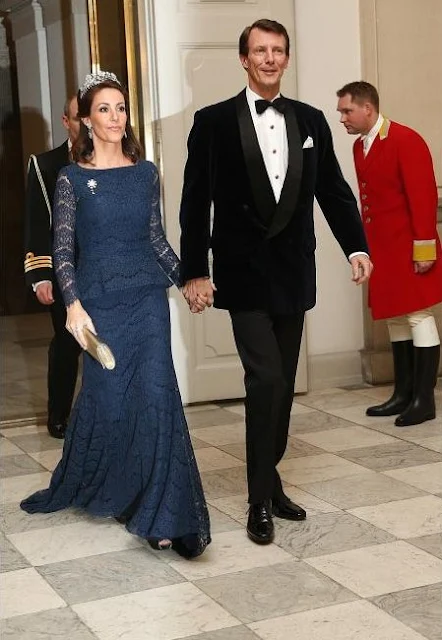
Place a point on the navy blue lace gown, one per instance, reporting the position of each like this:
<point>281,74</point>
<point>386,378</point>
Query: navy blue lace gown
<point>127,450</point>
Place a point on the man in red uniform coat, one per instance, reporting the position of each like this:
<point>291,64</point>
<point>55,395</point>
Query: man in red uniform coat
<point>399,205</point>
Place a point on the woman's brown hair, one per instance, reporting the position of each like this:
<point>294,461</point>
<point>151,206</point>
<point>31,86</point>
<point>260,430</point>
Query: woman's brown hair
<point>83,147</point>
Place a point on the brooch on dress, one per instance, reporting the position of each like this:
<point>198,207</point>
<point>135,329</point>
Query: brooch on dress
<point>92,184</point>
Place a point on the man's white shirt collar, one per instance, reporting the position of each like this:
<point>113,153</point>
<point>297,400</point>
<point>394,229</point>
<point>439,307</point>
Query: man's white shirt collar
<point>252,97</point>
<point>369,138</point>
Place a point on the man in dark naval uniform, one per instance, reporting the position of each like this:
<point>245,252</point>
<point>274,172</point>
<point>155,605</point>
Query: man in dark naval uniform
<point>64,350</point>
<point>261,159</point>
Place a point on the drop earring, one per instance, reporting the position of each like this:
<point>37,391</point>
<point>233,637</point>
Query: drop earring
<point>89,130</point>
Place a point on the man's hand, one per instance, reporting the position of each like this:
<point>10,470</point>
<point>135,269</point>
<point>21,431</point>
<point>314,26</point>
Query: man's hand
<point>423,266</point>
<point>44,294</point>
<point>199,294</point>
<point>76,320</point>
<point>361,267</point>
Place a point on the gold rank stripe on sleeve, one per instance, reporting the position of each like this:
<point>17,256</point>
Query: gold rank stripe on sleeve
<point>424,250</point>
<point>37,262</point>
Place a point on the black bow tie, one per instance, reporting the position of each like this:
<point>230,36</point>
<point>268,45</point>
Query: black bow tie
<point>279,104</point>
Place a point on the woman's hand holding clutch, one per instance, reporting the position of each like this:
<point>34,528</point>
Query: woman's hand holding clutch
<point>77,319</point>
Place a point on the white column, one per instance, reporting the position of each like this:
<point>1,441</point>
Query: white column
<point>327,55</point>
<point>59,48</point>
<point>33,77</point>
<point>80,40</point>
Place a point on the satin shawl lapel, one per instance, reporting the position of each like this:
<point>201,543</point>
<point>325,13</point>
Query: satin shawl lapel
<point>257,172</point>
<point>292,183</point>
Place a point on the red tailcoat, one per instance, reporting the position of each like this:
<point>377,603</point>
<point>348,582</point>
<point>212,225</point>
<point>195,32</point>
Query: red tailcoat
<point>399,206</point>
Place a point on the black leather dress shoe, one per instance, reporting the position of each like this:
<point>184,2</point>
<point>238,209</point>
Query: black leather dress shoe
<point>260,524</point>
<point>288,510</point>
<point>57,429</point>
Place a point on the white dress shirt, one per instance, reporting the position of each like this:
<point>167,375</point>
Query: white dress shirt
<point>271,131</point>
<point>368,139</point>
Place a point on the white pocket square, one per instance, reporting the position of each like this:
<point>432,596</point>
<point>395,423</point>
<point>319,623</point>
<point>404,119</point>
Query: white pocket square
<point>308,144</point>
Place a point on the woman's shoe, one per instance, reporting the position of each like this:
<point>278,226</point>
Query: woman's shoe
<point>160,545</point>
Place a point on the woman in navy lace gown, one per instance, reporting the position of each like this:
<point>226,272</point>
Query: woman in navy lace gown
<point>127,451</point>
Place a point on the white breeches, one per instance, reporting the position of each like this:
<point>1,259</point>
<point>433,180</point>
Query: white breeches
<point>419,326</point>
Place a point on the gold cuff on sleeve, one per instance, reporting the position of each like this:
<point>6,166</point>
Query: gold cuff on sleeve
<point>37,262</point>
<point>424,250</point>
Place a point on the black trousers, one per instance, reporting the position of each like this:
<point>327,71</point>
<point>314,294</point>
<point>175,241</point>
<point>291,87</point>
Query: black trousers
<point>268,346</point>
<point>63,356</point>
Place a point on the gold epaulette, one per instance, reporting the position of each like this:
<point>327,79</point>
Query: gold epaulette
<point>424,250</point>
<point>37,262</point>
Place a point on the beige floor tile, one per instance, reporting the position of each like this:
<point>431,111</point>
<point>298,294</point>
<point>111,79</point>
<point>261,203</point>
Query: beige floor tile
<point>361,620</point>
<point>17,488</point>
<point>300,409</point>
<point>209,418</point>
<point>346,438</point>
<point>237,409</point>
<point>77,540</point>
<point>223,483</point>
<point>299,471</point>
<point>230,552</point>
<point>380,393</point>
<point>327,533</point>
<point>432,544</point>
<point>426,476</point>
<point>434,443</point>
<point>311,503</point>
<point>372,488</point>
<point>7,448</point>
<point>25,591</point>
<point>11,432</point>
<point>195,408</point>
<point>418,608</point>
<point>234,506</point>
<point>220,522</point>
<point>330,400</point>
<point>380,569</point>
<point>166,613</point>
<point>421,432</point>
<point>211,459</point>
<point>357,415</point>
<point>48,459</point>
<point>316,421</point>
<point>387,457</point>
<point>221,435</point>
<point>276,590</point>
<point>408,518</point>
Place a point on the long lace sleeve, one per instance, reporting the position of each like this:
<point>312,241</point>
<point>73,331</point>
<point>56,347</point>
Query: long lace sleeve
<point>165,255</point>
<point>64,238</point>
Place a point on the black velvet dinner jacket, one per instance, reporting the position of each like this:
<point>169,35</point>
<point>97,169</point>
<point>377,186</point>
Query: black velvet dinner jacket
<point>263,251</point>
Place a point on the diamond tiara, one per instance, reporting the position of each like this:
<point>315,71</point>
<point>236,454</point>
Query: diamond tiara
<point>92,79</point>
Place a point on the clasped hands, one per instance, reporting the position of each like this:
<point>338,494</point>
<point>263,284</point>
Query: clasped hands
<point>198,294</point>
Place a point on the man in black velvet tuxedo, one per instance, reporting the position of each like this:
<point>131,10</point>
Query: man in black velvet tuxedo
<point>261,159</point>
<point>64,350</point>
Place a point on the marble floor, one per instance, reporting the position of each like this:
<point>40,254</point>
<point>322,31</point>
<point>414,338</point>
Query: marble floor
<point>366,564</point>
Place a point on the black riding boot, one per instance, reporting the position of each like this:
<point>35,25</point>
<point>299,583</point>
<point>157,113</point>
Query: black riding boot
<point>403,381</point>
<point>422,407</point>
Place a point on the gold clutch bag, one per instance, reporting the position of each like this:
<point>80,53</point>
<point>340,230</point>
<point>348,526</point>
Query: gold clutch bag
<point>99,350</point>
